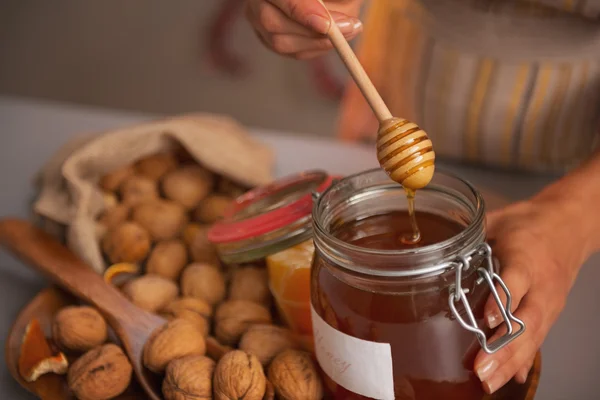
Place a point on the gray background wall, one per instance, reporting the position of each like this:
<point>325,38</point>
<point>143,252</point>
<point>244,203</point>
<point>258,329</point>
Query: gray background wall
<point>147,55</point>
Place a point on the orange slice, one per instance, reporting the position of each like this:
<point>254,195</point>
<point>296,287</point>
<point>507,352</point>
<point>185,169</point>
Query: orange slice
<point>289,280</point>
<point>36,357</point>
<point>116,274</point>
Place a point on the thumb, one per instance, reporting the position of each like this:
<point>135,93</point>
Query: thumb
<point>311,14</point>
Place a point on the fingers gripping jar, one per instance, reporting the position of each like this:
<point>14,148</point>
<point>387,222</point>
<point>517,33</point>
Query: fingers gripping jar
<point>394,321</point>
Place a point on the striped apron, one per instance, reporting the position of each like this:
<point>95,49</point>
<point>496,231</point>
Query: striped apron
<point>507,84</point>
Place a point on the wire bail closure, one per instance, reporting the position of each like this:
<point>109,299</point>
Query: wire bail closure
<point>487,274</point>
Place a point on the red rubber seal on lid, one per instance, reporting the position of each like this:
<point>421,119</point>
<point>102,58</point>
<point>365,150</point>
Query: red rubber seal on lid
<point>241,223</point>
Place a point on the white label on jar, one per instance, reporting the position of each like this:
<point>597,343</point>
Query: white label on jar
<point>360,366</point>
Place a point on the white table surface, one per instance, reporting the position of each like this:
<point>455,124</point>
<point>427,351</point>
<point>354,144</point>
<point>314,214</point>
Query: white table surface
<point>31,131</point>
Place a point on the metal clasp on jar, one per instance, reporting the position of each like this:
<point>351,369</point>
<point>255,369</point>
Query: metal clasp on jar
<point>487,274</point>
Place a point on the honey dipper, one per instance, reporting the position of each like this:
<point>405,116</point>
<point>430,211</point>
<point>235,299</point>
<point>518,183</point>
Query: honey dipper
<point>403,149</point>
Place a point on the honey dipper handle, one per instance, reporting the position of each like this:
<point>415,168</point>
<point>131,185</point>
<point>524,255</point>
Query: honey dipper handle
<point>49,256</point>
<point>358,72</point>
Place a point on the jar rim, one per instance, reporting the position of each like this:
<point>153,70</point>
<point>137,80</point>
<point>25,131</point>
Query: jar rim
<point>469,230</point>
<point>239,225</point>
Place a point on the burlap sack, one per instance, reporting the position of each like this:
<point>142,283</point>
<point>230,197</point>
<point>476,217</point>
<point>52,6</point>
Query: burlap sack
<point>70,196</point>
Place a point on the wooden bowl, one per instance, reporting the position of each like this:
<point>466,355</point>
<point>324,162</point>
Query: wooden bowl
<point>53,387</point>
<point>43,307</point>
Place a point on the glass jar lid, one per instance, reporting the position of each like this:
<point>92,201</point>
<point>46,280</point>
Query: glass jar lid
<point>268,219</point>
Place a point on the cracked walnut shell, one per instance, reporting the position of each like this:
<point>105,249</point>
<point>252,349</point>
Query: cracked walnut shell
<point>239,376</point>
<point>234,317</point>
<point>102,373</point>
<point>177,338</point>
<point>189,378</point>
<point>294,376</point>
<point>79,328</point>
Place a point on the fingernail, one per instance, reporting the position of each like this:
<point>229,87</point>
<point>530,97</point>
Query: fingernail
<point>493,320</point>
<point>485,370</point>
<point>319,23</point>
<point>523,375</point>
<point>349,26</point>
<point>493,384</point>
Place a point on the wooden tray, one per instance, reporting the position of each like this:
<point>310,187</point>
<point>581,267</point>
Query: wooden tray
<point>53,387</point>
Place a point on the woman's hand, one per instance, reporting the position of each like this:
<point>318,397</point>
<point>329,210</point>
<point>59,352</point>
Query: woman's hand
<point>541,244</point>
<point>297,28</point>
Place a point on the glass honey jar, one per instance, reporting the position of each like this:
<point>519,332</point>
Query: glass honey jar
<point>402,321</point>
<point>271,226</point>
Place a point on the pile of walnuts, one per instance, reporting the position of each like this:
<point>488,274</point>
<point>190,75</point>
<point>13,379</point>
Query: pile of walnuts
<point>158,210</point>
<point>222,340</point>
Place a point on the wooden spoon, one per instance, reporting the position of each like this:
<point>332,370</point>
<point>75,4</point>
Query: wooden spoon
<point>131,324</point>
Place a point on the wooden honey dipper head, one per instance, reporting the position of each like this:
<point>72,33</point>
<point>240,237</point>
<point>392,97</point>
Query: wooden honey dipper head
<point>405,152</point>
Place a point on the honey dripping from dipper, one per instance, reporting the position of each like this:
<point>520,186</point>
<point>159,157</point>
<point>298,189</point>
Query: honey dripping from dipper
<point>406,154</point>
<point>415,236</point>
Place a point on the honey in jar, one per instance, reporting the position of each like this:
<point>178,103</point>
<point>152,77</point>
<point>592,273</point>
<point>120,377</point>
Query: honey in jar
<point>388,315</point>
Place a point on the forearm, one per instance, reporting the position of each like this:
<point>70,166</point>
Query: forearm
<point>578,194</point>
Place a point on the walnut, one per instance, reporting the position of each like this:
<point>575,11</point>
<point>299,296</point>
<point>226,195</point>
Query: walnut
<point>156,166</point>
<point>128,242</point>
<point>167,259</point>
<point>234,317</point>
<point>294,376</point>
<point>193,304</point>
<point>194,310</point>
<point>175,339</point>
<point>102,373</point>
<point>188,185</point>
<point>212,208</point>
<point>138,189</point>
<point>216,350</point>
<point>239,375</point>
<point>114,216</point>
<point>151,292</point>
<point>189,232</point>
<point>229,188</point>
<point>113,180</point>
<point>266,341</point>
<point>189,378</point>
<point>162,218</point>
<point>201,250</point>
<point>251,284</point>
<point>79,328</point>
<point>203,281</point>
